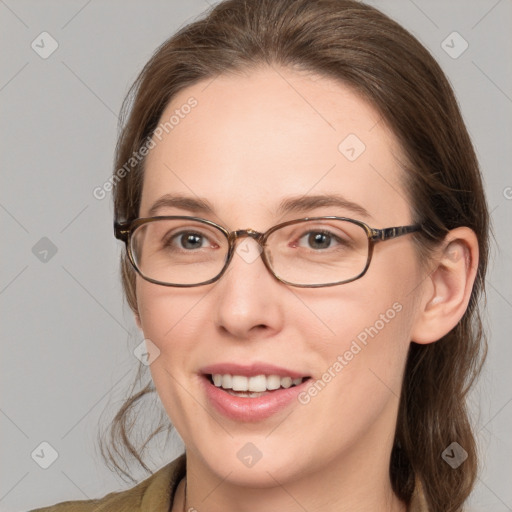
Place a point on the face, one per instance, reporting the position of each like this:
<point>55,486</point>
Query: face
<point>252,141</point>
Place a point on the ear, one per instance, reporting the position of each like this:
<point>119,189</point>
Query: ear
<point>448,287</point>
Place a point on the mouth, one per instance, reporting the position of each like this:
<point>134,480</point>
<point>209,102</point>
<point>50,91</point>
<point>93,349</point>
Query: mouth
<point>251,393</point>
<point>255,386</point>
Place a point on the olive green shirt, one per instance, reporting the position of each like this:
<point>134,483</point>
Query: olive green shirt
<point>156,494</point>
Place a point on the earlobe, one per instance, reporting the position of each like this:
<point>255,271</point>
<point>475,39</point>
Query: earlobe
<point>449,286</point>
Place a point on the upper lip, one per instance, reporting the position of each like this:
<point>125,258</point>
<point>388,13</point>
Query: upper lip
<point>250,370</point>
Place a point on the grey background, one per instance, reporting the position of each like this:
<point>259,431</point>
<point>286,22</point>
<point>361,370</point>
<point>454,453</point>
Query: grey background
<point>67,335</point>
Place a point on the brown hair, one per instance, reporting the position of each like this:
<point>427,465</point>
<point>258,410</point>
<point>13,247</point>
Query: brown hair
<point>361,47</point>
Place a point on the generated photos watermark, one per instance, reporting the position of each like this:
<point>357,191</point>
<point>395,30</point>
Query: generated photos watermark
<point>150,142</point>
<point>342,360</point>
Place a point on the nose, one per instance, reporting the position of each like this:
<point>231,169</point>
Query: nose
<point>248,300</point>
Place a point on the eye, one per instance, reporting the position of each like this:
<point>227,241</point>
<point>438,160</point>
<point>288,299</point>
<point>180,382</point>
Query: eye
<point>191,240</point>
<point>187,240</point>
<point>321,239</point>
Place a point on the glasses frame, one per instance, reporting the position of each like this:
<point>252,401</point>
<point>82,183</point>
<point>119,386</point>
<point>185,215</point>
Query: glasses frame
<point>123,231</point>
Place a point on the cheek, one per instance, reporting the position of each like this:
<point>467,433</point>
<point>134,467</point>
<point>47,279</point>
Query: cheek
<point>358,373</point>
<point>170,319</point>
<point>361,331</point>
<point>164,312</point>
<point>353,312</point>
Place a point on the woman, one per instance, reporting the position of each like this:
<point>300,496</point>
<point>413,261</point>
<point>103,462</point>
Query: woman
<point>306,237</point>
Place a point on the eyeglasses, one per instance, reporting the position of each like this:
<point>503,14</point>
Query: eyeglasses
<point>309,253</point>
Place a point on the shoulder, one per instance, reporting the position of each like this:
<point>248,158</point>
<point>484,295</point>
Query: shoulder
<point>154,494</point>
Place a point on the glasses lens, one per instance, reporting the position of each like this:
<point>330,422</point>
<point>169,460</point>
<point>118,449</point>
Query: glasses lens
<point>318,252</point>
<point>179,251</point>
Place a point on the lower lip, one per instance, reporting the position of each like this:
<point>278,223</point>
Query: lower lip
<point>251,409</point>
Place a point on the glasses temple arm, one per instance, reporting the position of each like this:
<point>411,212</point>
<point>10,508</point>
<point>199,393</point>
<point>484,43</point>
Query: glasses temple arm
<point>389,233</point>
<point>121,230</point>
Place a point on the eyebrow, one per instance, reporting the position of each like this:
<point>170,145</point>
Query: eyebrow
<point>299,204</point>
<point>192,204</point>
<point>305,203</point>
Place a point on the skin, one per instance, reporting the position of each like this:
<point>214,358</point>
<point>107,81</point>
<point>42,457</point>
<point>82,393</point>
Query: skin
<point>252,140</point>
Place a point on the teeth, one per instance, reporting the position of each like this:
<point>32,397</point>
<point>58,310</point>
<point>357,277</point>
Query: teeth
<point>286,382</point>
<point>273,382</point>
<point>256,384</point>
<point>226,381</point>
<point>240,383</point>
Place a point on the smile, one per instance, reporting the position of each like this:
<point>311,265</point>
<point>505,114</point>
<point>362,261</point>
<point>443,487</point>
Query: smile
<point>255,386</point>
<point>251,393</point>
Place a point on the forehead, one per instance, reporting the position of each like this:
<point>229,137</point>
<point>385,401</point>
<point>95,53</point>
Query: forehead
<point>246,141</point>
